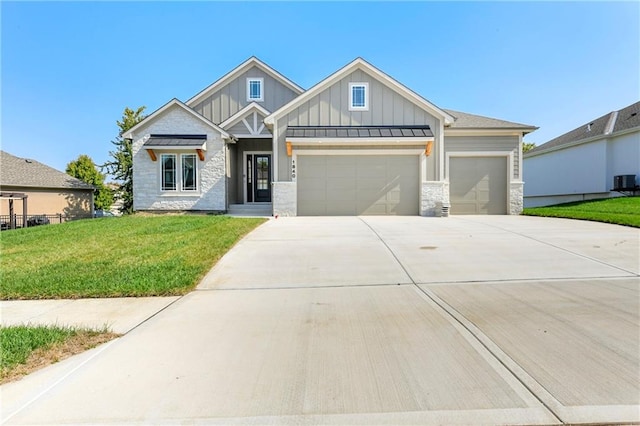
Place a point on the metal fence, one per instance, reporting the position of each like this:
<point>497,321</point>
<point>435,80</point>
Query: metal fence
<point>16,221</point>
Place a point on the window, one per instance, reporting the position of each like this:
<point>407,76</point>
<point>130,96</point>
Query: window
<point>254,89</point>
<point>188,172</point>
<point>168,172</point>
<point>358,96</point>
<point>188,178</point>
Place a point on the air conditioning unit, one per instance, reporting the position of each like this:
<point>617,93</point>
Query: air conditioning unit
<point>624,182</point>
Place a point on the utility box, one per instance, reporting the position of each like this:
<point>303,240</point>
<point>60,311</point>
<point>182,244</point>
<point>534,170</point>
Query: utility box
<point>624,182</point>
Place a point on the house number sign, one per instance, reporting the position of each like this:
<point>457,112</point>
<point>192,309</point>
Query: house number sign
<point>293,170</point>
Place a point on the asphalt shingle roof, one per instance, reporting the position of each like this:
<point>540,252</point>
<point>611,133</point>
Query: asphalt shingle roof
<point>471,121</point>
<point>358,131</point>
<point>625,118</point>
<point>16,171</point>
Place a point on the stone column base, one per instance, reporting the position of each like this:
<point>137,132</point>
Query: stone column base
<point>516,192</point>
<point>285,198</point>
<point>433,195</point>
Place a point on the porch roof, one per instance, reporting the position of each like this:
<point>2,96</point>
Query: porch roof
<point>175,141</point>
<point>368,132</point>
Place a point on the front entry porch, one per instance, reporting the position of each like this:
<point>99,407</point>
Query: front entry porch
<point>250,173</point>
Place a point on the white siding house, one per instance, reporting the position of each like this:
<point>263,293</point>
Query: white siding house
<point>583,163</point>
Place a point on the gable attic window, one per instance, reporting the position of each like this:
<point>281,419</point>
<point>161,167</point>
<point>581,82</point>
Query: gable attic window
<point>255,89</point>
<point>358,96</point>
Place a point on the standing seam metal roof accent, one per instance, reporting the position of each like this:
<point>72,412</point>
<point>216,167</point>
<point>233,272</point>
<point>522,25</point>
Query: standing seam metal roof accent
<point>359,132</point>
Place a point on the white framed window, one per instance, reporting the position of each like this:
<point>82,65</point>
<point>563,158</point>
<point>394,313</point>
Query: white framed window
<point>255,89</point>
<point>168,173</point>
<point>358,96</point>
<point>187,180</point>
<point>189,168</point>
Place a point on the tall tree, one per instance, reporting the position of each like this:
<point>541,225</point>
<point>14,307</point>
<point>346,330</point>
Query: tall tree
<point>121,165</point>
<point>85,169</point>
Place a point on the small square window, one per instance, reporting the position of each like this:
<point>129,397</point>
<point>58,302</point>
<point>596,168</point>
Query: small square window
<point>358,96</point>
<point>254,89</point>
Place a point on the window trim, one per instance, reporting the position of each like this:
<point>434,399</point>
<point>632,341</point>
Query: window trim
<point>259,80</point>
<point>195,172</point>
<point>162,172</point>
<point>365,107</point>
<point>179,181</point>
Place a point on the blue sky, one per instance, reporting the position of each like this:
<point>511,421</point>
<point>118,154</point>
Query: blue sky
<point>70,68</point>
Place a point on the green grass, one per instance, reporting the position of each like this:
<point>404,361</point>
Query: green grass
<point>18,342</point>
<point>621,211</point>
<point>26,348</point>
<point>114,257</point>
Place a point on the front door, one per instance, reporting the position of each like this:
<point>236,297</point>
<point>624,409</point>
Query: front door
<point>259,178</point>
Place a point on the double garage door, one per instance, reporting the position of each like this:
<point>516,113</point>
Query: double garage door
<point>345,185</point>
<point>478,185</point>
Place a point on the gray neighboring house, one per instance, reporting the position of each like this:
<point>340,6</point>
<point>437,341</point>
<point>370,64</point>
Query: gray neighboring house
<point>599,159</point>
<point>49,191</point>
<point>356,143</point>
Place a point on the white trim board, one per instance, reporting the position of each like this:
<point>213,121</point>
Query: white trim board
<point>174,102</point>
<point>372,71</point>
<point>252,61</point>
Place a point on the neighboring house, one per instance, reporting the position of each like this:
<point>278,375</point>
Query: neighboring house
<point>599,159</point>
<point>358,142</point>
<point>49,191</point>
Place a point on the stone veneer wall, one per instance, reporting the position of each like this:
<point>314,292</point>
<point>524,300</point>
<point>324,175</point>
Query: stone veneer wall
<point>516,201</point>
<point>431,194</point>
<point>211,194</point>
<point>285,199</point>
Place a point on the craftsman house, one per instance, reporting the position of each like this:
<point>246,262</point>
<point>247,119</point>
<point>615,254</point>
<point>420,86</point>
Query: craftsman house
<point>356,143</point>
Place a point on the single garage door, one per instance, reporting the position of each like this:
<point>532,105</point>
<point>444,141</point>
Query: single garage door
<point>478,185</point>
<point>345,185</point>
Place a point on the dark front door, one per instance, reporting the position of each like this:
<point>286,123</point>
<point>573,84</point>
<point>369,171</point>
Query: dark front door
<point>259,178</point>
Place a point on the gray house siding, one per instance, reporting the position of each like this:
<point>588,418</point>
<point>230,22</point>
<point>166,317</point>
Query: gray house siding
<point>485,144</point>
<point>241,129</point>
<point>232,97</point>
<point>331,108</point>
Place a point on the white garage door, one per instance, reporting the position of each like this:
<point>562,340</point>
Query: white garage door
<point>478,185</point>
<point>344,185</point>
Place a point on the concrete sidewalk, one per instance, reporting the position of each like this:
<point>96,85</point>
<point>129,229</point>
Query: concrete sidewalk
<point>119,315</point>
<point>376,320</point>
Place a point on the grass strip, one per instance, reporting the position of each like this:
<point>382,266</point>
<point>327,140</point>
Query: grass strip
<point>116,257</point>
<point>28,348</point>
<point>620,211</point>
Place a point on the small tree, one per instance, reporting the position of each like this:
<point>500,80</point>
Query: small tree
<point>85,169</point>
<point>527,146</point>
<point>121,167</point>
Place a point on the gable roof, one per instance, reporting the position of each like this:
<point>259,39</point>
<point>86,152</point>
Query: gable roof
<point>251,62</point>
<point>465,120</point>
<point>607,125</point>
<point>363,65</point>
<point>25,172</point>
<point>235,118</point>
<point>174,102</point>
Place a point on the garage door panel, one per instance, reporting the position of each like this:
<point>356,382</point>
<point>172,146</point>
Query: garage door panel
<point>478,185</point>
<point>353,185</point>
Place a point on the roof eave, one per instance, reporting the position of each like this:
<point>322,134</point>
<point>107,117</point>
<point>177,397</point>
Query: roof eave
<point>336,76</point>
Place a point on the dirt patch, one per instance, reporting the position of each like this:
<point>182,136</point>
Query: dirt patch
<point>41,358</point>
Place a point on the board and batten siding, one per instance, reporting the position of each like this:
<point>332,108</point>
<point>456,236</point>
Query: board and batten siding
<point>232,97</point>
<point>485,144</point>
<point>331,108</point>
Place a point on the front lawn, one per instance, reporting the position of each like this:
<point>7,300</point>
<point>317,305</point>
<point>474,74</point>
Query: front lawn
<point>115,257</point>
<point>621,211</point>
<point>28,348</point>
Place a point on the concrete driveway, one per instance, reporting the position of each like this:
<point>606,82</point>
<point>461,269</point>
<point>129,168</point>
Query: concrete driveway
<point>377,320</point>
